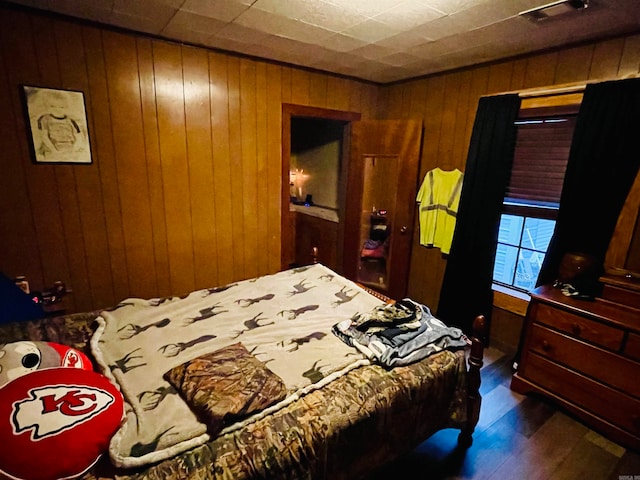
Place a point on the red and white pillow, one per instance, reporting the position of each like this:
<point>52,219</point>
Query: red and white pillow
<point>55,423</point>
<point>20,358</point>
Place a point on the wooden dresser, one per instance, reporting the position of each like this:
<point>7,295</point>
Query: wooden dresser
<point>585,355</point>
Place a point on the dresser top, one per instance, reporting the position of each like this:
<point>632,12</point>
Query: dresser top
<point>614,313</point>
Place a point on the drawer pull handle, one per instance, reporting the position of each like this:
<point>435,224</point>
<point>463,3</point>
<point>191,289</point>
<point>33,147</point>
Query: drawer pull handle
<point>546,346</point>
<point>576,329</point>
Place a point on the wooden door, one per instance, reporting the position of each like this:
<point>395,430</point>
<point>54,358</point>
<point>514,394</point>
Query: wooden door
<point>380,203</point>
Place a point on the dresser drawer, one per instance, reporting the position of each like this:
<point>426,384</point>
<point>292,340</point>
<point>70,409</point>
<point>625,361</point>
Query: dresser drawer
<point>611,369</point>
<point>580,327</point>
<point>606,403</point>
<point>632,348</point>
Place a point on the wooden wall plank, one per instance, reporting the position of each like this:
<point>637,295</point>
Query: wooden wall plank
<point>417,99</point>
<point>606,59</point>
<point>460,141</point>
<point>574,64</point>
<point>286,85</point>
<point>103,149</point>
<point>274,153</point>
<point>70,49</point>
<point>262,172</point>
<point>629,63</point>
<point>318,86</point>
<point>341,98</point>
<point>518,74</point>
<point>153,166</point>
<point>500,77</point>
<point>89,189</point>
<point>128,136</point>
<point>20,37</point>
<point>195,64</point>
<point>446,140</point>
<point>250,199</point>
<point>17,225</point>
<point>222,185</point>
<point>237,184</point>
<point>541,70</point>
<point>175,169</point>
<point>300,87</point>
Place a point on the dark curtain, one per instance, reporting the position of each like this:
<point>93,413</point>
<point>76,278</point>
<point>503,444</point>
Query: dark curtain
<point>603,163</point>
<point>466,288</point>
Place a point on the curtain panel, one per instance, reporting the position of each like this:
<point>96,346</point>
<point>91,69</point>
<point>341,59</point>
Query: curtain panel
<point>603,163</point>
<point>466,288</point>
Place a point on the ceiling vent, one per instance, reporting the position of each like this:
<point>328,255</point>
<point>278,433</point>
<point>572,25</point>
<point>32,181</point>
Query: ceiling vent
<point>554,9</point>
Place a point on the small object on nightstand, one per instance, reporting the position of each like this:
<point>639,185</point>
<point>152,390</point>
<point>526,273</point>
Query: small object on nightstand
<point>21,281</point>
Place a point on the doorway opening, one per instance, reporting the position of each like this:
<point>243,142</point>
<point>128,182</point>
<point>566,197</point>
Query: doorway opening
<point>315,145</point>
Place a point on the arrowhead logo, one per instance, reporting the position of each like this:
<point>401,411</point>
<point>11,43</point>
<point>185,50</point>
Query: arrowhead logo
<point>51,410</point>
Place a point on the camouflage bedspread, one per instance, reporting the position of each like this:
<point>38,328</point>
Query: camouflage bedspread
<point>353,424</point>
<point>283,319</point>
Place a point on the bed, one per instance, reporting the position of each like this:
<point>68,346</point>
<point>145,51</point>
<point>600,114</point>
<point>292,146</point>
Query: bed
<point>329,407</point>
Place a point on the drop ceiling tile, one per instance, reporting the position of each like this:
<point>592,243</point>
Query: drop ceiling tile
<point>240,34</point>
<point>333,61</point>
<point>371,31</point>
<point>319,13</point>
<point>449,7</point>
<point>190,22</point>
<point>225,10</point>
<point>399,59</point>
<point>391,74</point>
<point>230,45</point>
<point>439,28</point>
<point>373,51</point>
<point>281,26</point>
<point>343,43</point>
<point>402,41</point>
<point>145,8</point>
<point>152,25</point>
<point>367,8</point>
<point>288,50</point>
<point>407,15</point>
<point>100,11</point>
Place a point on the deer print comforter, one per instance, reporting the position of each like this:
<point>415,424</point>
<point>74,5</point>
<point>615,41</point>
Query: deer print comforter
<point>284,320</point>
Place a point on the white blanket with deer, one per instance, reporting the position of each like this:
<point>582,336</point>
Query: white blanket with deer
<point>283,319</point>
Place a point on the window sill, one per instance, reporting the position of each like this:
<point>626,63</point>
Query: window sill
<point>510,300</point>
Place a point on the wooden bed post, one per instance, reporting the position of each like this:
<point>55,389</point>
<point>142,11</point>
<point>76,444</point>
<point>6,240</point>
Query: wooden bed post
<point>474,400</point>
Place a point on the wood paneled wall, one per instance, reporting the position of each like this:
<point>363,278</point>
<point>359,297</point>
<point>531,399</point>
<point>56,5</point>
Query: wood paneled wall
<point>185,186</point>
<point>184,191</point>
<point>447,105</point>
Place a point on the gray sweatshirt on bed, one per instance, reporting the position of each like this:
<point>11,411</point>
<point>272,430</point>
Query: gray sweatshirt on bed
<point>399,334</point>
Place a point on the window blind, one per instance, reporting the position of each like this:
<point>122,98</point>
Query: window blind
<point>540,159</point>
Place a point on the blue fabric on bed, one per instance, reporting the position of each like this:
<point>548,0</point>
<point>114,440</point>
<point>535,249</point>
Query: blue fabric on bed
<point>15,305</point>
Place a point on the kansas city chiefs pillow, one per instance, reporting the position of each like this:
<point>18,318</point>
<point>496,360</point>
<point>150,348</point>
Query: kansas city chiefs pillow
<point>55,423</point>
<point>20,358</point>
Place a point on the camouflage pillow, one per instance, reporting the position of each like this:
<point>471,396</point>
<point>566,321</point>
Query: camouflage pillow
<point>226,386</point>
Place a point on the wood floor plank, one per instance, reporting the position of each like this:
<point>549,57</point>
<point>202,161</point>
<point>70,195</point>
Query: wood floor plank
<point>518,437</point>
<point>586,460</point>
<point>530,415</point>
<point>496,404</point>
<point>627,467</point>
<point>544,451</point>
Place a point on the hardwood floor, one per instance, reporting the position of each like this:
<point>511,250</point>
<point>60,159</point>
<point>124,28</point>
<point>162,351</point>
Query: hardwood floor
<point>517,437</point>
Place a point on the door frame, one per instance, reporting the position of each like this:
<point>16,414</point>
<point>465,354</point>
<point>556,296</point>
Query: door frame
<point>289,111</point>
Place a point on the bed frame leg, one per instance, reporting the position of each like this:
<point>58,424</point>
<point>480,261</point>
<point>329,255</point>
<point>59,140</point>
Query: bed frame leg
<point>474,400</point>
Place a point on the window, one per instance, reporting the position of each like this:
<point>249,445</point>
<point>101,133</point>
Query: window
<point>533,194</point>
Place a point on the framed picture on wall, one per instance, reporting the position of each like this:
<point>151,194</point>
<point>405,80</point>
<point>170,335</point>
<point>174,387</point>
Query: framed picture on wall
<point>58,129</point>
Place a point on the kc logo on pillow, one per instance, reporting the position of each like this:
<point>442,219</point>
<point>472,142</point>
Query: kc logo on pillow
<point>51,410</point>
<point>55,423</point>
